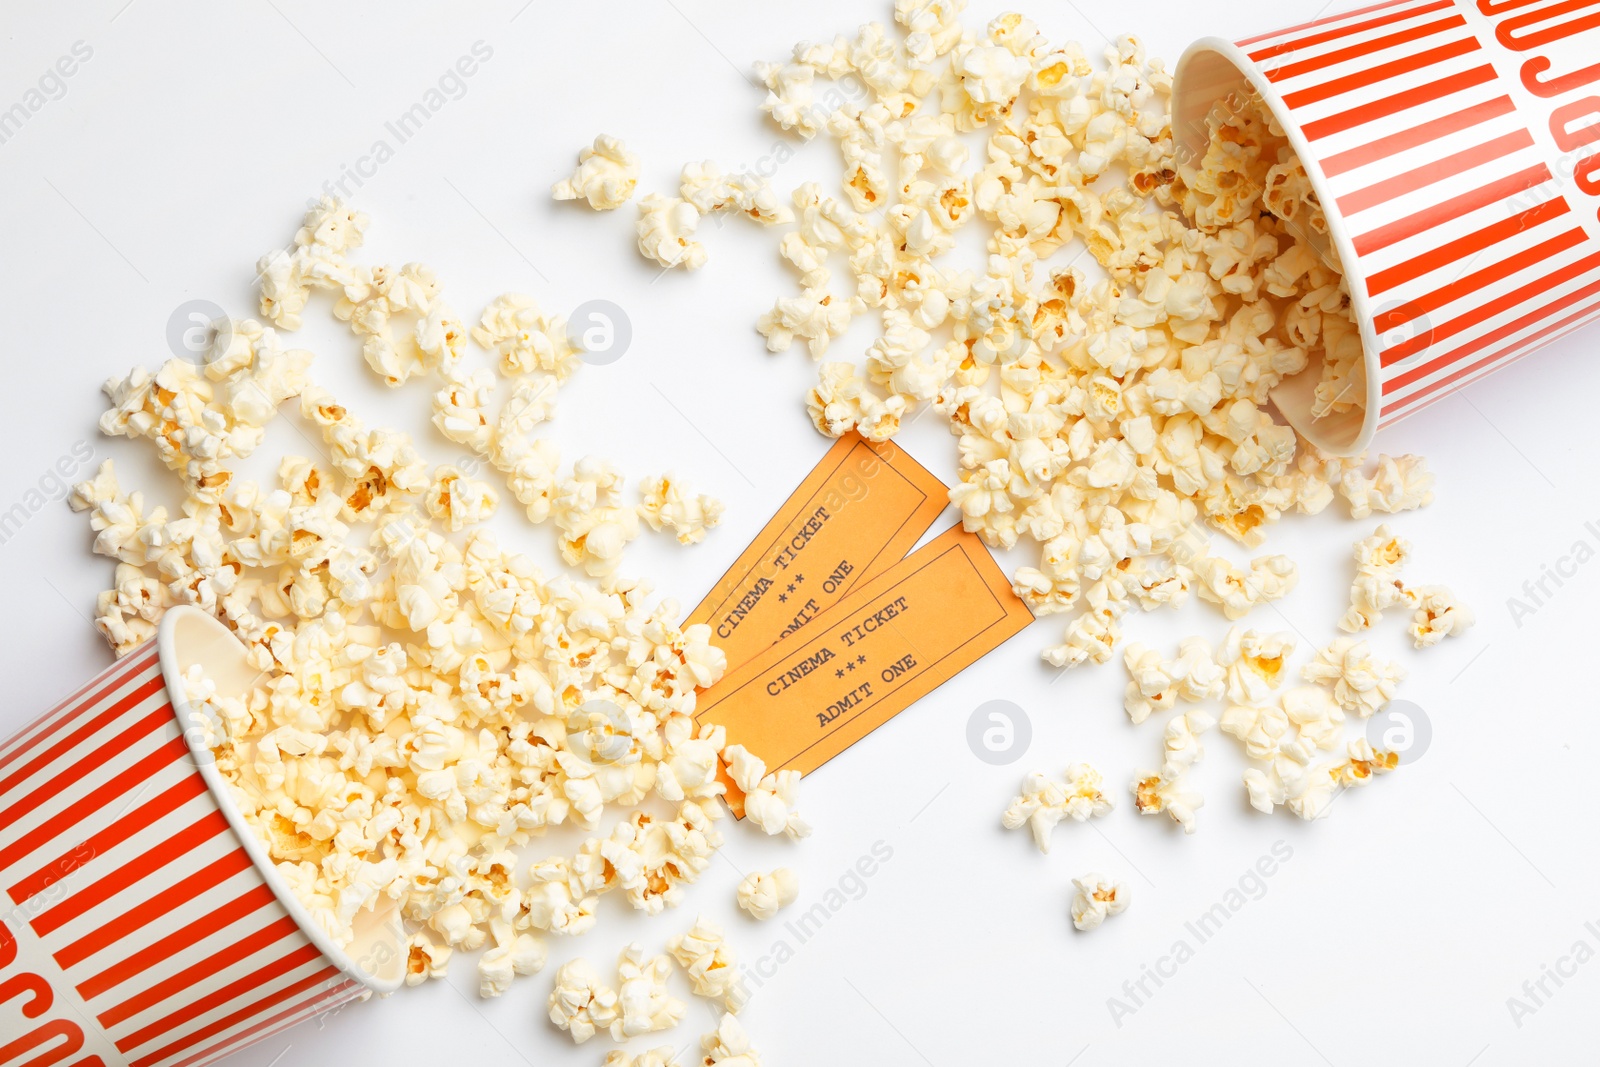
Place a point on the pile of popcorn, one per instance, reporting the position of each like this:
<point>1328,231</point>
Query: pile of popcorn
<point>1109,420</point>
<point>431,701</point>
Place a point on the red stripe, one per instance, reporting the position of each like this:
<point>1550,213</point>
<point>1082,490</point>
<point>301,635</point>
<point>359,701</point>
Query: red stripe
<point>1440,170</point>
<point>1393,105</point>
<point>177,983</point>
<point>1426,133</point>
<point>1382,73</point>
<point>1366,48</point>
<point>113,683</point>
<point>1484,312</point>
<point>77,738</point>
<point>75,859</point>
<point>59,824</point>
<point>1463,247</point>
<point>1472,283</point>
<point>1435,391</point>
<point>107,681</point>
<point>219,997</point>
<point>1332,35</point>
<point>278,1023</point>
<point>119,742</point>
<point>174,896</point>
<point>1478,344</point>
<point>175,942</point>
<point>135,870</point>
<point>1395,232</point>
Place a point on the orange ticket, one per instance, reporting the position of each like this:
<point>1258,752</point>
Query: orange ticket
<point>888,643</point>
<point>857,514</point>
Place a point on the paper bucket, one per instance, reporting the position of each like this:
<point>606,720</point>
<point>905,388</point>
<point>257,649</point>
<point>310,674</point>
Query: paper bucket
<point>1455,147</point>
<point>144,924</point>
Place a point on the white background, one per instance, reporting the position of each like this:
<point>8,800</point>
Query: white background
<point>187,146</point>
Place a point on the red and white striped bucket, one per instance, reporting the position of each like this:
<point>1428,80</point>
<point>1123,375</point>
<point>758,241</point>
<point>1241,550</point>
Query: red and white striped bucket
<point>144,924</point>
<point>1455,147</point>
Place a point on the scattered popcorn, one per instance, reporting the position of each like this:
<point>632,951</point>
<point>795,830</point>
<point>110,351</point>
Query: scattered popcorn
<point>426,958</point>
<point>1167,790</point>
<point>1316,716</point>
<point>643,1004</point>
<point>666,232</point>
<point>520,953</point>
<point>656,1057</point>
<point>1399,484</point>
<point>1106,420</point>
<point>667,505</point>
<point>318,261</point>
<point>1269,578</point>
<point>429,704</point>
<point>458,502</point>
<point>1361,682</point>
<point>769,799</point>
<point>1096,897</point>
<point>580,1003</point>
<point>1045,802</point>
<point>526,340</point>
<point>1253,663</point>
<point>1439,615</point>
<point>606,175</point>
<point>729,1044</point>
<point>1377,586</point>
<point>708,962</point>
<point>761,894</point>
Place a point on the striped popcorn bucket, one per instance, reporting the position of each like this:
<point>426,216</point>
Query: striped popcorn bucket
<point>1455,147</point>
<point>144,923</point>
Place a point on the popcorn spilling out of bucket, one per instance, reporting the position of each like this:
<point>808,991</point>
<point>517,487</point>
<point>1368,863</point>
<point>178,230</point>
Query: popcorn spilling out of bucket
<point>1455,148</point>
<point>146,925</point>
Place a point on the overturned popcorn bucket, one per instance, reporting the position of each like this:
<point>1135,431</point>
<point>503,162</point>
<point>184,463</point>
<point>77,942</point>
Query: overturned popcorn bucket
<point>145,925</point>
<point>1455,148</point>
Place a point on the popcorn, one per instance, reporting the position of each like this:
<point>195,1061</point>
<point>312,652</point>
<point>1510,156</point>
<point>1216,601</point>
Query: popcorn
<point>729,1044</point>
<point>519,954</point>
<point>458,502</point>
<point>1167,790</point>
<point>1315,714</point>
<point>709,965</point>
<point>525,339</point>
<point>425,959</point>
<point>1096,897</point>
<point>1439,615</point>
<point>666,505</point>
<point>1399,484</point>
<point>1377,586</point>
<point>761,894</point>
<point>1269,578</point>
<point>1360,681</point>
<point>769,799</point>
<point>666,232</point>
<point>606,175</point>
<point>1045,802</point>
<point>643,1005</point>
<point>426,705</point>
<point>1253,663</point>
<point>580,1003</point>
<point>656,1057</point>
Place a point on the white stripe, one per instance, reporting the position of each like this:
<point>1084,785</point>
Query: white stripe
<point>130,798</point>
<point>122,688</point>
<point>1359,63</point>
<point>200,1022</point>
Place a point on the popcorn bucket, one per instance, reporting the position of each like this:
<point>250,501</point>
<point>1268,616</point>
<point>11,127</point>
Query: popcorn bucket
<point>1455,148</point>
<point>144,923</point>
